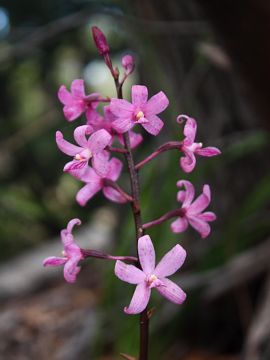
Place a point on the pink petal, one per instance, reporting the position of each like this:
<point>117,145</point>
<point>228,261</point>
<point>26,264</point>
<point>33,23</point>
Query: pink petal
<point>201,202</point>
<point>94,118</point>
<point>135,139</point>
<point>201,226</point>
<point>64,95</point>
<point>188,162</point>
<point>65,146</point>
<point>208,151</point>
<point>207,216</point>
<point>87,192</point>
<point>98,141</point>
<point>73,110</point>
<point>181,195</point>
<point>114,169</point>
<point>139,95</point>
<point>179,225</point>
<point>77,88</point>
<point>73,250</point>
<point>154,125</point>
<point>71,270</point>
<point>90,176</point>
<point>146,253</point>
<point>121,108</point>
<point>172,292</point>
<point>129,273</point>
<point>76,168</point>
<point>54,261</point>
<point>80,134</point>
<point>189,193</point>
<point>190,130</point>
<point>101,164</point>
<point>72,223</point>
<point>170,262</point>
<point>123,125</point>
<point>156,104</point>
<point>113,195</point>
<point>139,300</point>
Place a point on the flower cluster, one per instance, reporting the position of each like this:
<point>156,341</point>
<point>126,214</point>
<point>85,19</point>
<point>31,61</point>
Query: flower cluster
<point>111,120</point>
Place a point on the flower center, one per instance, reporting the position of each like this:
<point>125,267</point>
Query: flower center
<point>151,279</point>
<point>84,155</point>
<point>139,115</point>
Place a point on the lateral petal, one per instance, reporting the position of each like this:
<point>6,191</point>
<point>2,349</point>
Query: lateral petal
<point>156,104</point>
<point>171,291</point>
<point>65,146</point>
<point>170,262</point>
<point>154,125</point>
<point>98,141</point>
<point>129,273</point>
<point>201,202</point>
<point>77,88</point>
<point>189,191</point>
<point>179,225</point>
<point>139,300</point>
<point>199,225</point>
<point>87,192</point>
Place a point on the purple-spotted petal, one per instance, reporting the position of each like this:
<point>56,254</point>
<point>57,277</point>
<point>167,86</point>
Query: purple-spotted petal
<point>113,195</point>
<point>207,216</point>
<point>139,95</point>
<point>123,125</point>
<point>71,270</point>
<point>65,146</point>
<point>201,202</point>
<point>121,108</point>
<point>98,141</point>
<point>170,262</point>
<point>171,291</point>
<point>154,125</point>
<point>190,130</point>
<point>188,161</point>
<point>199,225</point>
<point>77,88</point>
<point>115,168</point>
<point>80,135</point>
<point>208,151</point>
<point>54,261</point>
<point>189,191</point>
<point>156,104</point>
<point>101,164</point>
<point>90,176</point>
<point>179,225</point>
<point>147,254</point>
<point>87,192</point>
<point>73,110</point>
<point>76,168</point>
<point>139,300</point>
<point>129,273</point>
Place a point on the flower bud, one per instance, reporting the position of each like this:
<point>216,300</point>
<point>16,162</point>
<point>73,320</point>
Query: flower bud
<point>128,64</point>
<point>100,41</point>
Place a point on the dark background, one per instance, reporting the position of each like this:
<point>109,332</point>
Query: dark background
<point>212,60</point>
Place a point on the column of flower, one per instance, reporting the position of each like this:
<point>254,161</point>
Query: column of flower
<point>92,163</point>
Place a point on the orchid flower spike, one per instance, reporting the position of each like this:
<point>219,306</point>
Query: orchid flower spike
<point>191,211</point>
<point>99,122</point>
<point>71,254</point>
<point>91,148</point>
<point>152,276</point>
<point>191,148</point>
<point>140,111</point>
<point>76,102</point>
<point>95,182</point>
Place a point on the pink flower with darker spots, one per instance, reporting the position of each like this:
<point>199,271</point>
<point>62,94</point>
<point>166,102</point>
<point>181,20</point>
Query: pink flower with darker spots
<point>152,276</point>
<point>76,102</point>
<point>191,212</point>
<point>191,148</point>
<point>71,255</point>
<point>88,149</point>
<point>139,111</point>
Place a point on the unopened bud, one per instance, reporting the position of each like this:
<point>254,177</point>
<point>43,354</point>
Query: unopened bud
<point>128,64</point>
<point>100,41</point>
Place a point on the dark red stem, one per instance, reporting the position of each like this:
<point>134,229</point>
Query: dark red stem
<point>165,217</point>
<point>100,255</point>
<point>117,150</point>
<point>165,147</point>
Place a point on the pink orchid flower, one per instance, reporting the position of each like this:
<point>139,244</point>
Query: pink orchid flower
<point>76,102</point>
<point>191,211</point>
<point>95,182</point>
<point>152,276</point>
<point>140,111</point>
<point>71,254</point>
<point>91,148</point>
<point>99,122</point>
<point>191,148</point>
